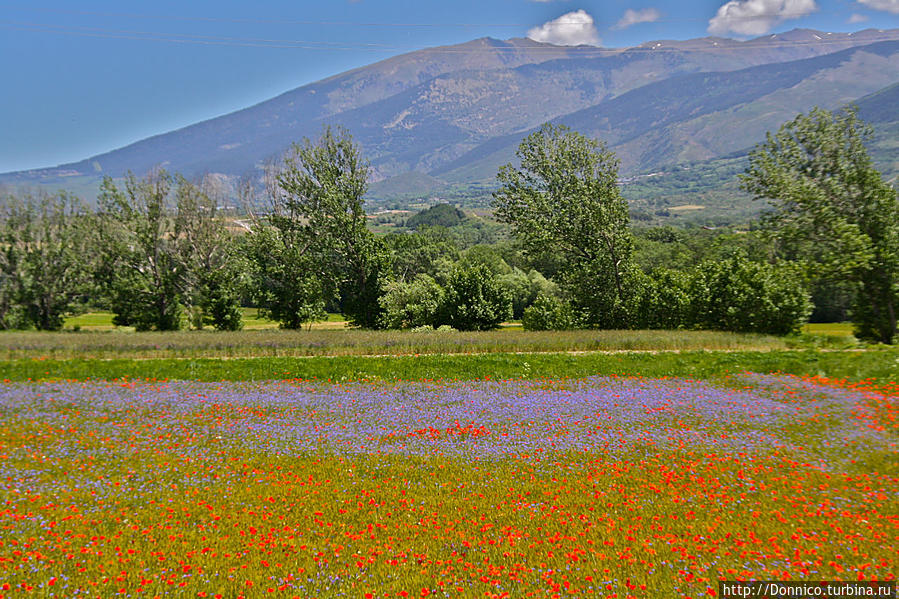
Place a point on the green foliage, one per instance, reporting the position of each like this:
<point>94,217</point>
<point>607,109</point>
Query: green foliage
<point>440,215</point>
<point>564,198</point>
<point>743,296</point>
<point>323,184</point>
<point>141,268</point>
<point>427,252</point>
<point>44,260</point>
<point>548,313</point>
<point>833,210</point>
<point>314,245</point>
<point>524,288</point>
<point>685,248</point>
<point>665,300</point>
<point>487,256</point>
<point>219,300</point>
<point>213,269</point>
<point>600,298</point>
<point>284,276</point>
<point>362,282</point>
<point>473,300</point>
<point>164,251</point>
<point>410,305</point>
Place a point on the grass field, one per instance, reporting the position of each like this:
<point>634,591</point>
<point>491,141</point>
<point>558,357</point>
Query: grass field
<point>598,487</point>
<point>855,365</point>
<point>836,329</point>
<point>102,321</point>
<point>343,463</point>
<point>272,343</point>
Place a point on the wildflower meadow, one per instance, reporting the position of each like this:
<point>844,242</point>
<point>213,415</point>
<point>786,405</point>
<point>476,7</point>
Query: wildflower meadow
<point>623,487</point>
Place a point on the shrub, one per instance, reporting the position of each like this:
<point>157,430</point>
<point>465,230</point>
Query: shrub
<point>664,300</point>
<point>524,288</point>
<point>411,305</point>
<point>474,300</point>
<point>548,313</point>
<point>748,297</point>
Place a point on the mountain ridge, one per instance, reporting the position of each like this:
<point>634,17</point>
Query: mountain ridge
<point>425,110</point>
<point>697,94</point>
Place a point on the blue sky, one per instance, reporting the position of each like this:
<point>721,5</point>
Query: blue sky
<point>83,78</point>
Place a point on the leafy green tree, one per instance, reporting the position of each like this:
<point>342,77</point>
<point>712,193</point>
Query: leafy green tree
<point>748,297</point>
<point>662,247</point>
<point>213,269</point>
<point>564,198</point>
<point>141,266</point>
<point>219,298</point>
<point>473,300</point>
<point>284,274</point>
<point>524,288</point>
<point>44,260</point>
<point>418,253</point>
<point>548,313</point>
<point>486,255</point>
<point>665,300</point>
<point>410,305</point>
<point>317,224</point>
<point>365,274</point>
<point>11,313</point>
<point>833,210</point>
<point>284,281</point>
<point>163,253</point>
<point>440,215</point>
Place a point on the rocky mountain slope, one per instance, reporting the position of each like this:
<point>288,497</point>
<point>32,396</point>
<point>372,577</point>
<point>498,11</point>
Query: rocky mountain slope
<point>455,113</point>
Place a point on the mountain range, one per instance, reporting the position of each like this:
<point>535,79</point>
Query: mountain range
<point>451,115</point>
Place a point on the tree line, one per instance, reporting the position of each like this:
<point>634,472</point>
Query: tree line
<point>159,255</point>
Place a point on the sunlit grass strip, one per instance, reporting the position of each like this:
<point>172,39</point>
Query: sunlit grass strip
<point>278,343</point>
<point>857,365</point>
<point>102,321</point>
<point>836,329</point>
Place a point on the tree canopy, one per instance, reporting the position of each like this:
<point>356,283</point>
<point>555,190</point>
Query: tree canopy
<point>564,198</point>
<point>833,210</point>
<point>313,245</point>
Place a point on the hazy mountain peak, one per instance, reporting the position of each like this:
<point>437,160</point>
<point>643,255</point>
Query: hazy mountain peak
<point>455,110</point>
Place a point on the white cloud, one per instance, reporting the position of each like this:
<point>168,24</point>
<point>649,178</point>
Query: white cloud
<point>632,17</point>
<point>757,17</point>
<point>857,18</point>
<point>571,29</point>
<point>887,5</point>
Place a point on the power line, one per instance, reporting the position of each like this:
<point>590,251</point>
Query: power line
<point>187,38</point>
<point>289,21</point>
<point>270,21</point>
<point>190,38</point>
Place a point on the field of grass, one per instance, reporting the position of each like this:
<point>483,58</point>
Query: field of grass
<point>882,364</point>
<point>836,329</point>
<point>635,488</point>
<point>350,342</point>
<point>345,463</point>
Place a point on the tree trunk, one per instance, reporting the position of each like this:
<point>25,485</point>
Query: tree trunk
<point>889,332</point>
